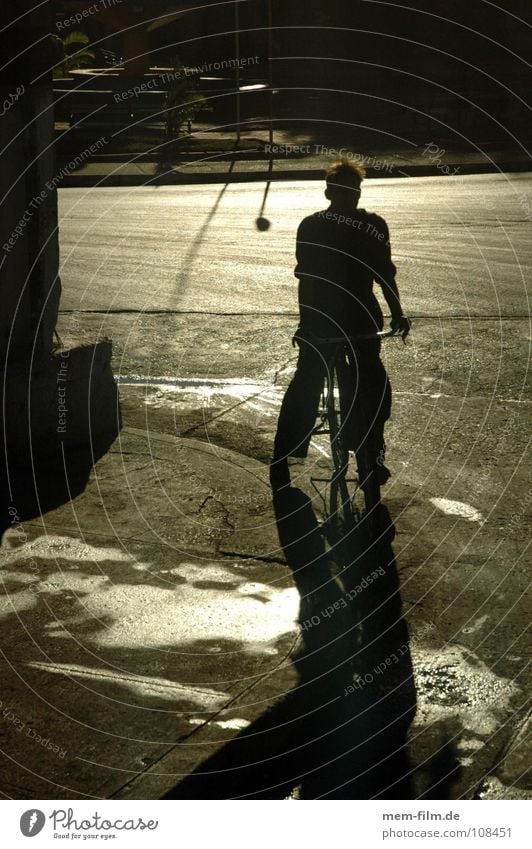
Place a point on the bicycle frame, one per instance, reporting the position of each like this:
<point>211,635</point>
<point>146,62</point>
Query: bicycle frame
<point>331,425</point>
<point>341,503</point>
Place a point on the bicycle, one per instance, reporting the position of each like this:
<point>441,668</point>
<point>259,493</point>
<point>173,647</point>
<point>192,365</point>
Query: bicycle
<point>341,512</point>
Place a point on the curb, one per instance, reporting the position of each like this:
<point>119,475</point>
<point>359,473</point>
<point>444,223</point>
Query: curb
<point>182,178</point>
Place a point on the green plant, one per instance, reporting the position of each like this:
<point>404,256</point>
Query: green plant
<point>75,54</point>
<point>182,101</point>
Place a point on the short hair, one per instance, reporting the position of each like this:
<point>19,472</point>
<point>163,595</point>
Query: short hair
<point>345,174</point>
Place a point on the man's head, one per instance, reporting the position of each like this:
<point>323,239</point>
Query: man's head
<point>343,184</point>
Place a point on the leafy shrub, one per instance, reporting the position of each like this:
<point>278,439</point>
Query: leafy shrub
<point>182,101</point>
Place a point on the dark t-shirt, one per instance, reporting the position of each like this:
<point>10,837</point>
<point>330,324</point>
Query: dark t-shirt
<point>338,259</point>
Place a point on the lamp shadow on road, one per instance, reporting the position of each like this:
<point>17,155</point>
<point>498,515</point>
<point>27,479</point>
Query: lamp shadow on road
<point>341,733</point>
<point>187,266</point>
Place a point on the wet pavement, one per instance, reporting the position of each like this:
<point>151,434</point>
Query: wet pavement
<point>153,629</point>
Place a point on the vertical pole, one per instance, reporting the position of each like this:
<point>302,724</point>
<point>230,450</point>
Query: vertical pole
<point>237,71</point>
<point>270,69</point>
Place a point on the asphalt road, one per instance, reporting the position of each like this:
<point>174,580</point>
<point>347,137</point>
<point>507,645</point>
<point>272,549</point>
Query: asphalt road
<point>214,364</point>
<point>461,245</point>
<point>212,368</point>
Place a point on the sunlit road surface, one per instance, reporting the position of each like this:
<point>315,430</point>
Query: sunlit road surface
<point>167,570</point>
<point>201,307</point>
<point>461,244</point>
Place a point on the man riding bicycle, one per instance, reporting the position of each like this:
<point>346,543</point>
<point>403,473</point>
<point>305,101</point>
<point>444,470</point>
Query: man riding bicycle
<point>341,252</point>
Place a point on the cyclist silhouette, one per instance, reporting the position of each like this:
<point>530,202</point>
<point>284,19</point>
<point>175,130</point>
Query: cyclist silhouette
<point>341,252</point>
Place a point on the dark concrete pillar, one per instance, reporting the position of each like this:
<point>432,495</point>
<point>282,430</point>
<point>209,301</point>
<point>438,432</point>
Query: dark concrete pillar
<point>29,255</point>
<point>51,400</point>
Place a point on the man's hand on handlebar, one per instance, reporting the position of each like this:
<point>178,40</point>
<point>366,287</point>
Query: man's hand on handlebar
<point>401,324</point>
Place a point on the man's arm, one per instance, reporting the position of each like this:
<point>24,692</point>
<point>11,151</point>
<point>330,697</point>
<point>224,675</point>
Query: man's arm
<point>303,273</point>
<point>385,277</point>
<point>304,293</point>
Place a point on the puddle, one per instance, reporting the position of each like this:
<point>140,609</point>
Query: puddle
<point>205,387</point>
<point>455,682</point>
<point>231,724</point>
<point>260,400</point>
<point>458,508</point>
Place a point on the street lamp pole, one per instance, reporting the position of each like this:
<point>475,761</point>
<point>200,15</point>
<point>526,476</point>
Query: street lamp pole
<point>237,71</point>
<point>270,69</point>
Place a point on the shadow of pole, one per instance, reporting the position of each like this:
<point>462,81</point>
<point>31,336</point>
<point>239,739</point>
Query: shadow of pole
<point>341,732</point>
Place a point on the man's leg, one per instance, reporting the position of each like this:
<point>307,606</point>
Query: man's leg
<point>382,406</point>
<point>369,389</point>
<point>297,417</point>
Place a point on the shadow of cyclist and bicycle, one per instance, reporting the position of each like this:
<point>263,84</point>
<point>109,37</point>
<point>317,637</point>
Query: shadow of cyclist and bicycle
<point>354,663</point>
<point>342,731</point>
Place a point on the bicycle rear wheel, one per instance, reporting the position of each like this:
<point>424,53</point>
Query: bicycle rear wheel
<point>340,456</point>
<point>341,517</point>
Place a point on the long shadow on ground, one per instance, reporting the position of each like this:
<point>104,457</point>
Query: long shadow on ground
<point>341,733</point>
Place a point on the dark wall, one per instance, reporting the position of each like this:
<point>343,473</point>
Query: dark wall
<point>458,56</point>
